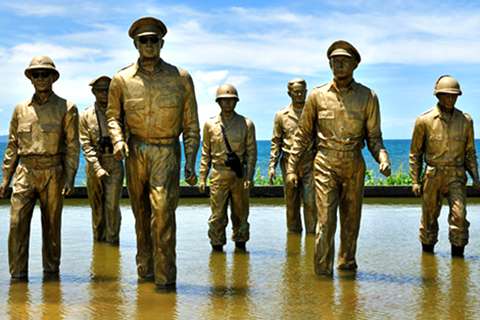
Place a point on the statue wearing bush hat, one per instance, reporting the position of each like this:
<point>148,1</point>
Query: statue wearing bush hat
<point>341,116</point>
<point>150,104</point>
<point>42,155</point>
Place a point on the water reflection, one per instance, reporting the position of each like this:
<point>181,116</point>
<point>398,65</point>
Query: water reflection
<point>291,288</point>
<point>459,285</point>
<point>241,286</point>
<point>348,296</point>
<point>217,266</point>
<point>430,288</point>
<point>229,291</point>
<point>106,298</point>
<point>19,304</point>
<point>52,299</point>
<point>152,304</point>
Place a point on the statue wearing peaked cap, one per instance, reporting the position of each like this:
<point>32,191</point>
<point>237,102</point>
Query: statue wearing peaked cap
<point>341,116</point>
<point>150,104</point>
<point>104,172</point>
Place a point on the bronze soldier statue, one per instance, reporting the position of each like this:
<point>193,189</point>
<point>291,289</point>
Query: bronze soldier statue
<point>284,126</point>
<point>443,137</point>
<point>104,172</point>
<point>230,148</point>
<point>150,104</point>
<point>340,115</point>
<point>42,156</point>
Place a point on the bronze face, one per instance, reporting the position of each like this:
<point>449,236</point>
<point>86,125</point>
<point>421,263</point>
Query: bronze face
<point>100,91</point>
<point>447,100</point>
<point>42,79</point>
<point>227,104</point>
<point>149,46</point>
<point>342,66</point>
<point>298,93</point>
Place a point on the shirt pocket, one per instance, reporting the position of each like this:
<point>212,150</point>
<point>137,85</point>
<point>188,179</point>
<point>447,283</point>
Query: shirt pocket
<point>134,112</point>
<point>168,112</point>
<point>51,133</point>
<point>24,133</point>
<point>355,123</point>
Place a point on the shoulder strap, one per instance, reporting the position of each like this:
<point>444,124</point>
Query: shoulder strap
<point>227,144</point>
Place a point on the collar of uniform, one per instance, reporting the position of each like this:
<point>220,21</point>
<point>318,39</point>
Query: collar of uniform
<point>33,101</point>
<point>437,113</point>
<point>159,67</point>
<point>291,112</point>
<point>218,118</point>
<point>332,87</point>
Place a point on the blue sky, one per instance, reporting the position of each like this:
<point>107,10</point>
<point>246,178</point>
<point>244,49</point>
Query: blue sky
<point>258,46</point>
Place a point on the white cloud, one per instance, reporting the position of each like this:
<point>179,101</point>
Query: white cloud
<point>230,44</point>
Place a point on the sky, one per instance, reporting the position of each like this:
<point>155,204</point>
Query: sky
<point>257,46</point>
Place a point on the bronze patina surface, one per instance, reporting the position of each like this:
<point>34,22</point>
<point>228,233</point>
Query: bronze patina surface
<point>42,156</point>
<point>150,104</point>
<point>284,126</point>
<point>104,172</point>
<point>340,116</point>
<point>225,184</point>
<point>443,138</point>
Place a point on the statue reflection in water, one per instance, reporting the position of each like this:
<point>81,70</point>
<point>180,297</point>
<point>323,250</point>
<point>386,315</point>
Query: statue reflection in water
<point>106,297</point>
<point>19,301</point>
<point>229,294</point>
<point>52,299</point>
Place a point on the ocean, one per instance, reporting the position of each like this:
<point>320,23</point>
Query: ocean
<point>397,149</point>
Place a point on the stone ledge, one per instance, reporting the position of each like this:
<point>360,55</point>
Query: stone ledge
<point>277,192</point>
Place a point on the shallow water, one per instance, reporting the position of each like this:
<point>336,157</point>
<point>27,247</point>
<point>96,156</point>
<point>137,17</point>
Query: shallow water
<point>274,280</point>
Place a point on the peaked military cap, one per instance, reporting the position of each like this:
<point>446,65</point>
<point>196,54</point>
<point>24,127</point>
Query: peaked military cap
<point>343,48</point>
<point>96,82</point>
<point>147,26</point>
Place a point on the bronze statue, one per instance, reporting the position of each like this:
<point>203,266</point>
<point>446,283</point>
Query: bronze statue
<point>443,137</point>
<point>340,116</point>
<point>104,172</point>
<point>42,155</point>
<point>230,148</point>
<point>150,104</point>
<point>284,126</point>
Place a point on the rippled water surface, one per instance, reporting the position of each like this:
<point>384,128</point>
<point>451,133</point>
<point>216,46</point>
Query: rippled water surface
<point>274,280</point>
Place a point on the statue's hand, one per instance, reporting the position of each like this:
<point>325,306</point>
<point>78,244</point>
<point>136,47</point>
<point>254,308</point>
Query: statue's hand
<point>385,168</point>
<point>202,186</point>
<point>120,150</point>
<point>101,173</point>
<point>271,175</point>
<point>417,189</point>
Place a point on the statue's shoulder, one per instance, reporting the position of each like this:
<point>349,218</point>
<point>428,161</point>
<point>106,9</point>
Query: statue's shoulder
<point>128,70</point>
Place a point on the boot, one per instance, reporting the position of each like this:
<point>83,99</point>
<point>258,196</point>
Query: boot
<point>217,247</point>
<point>241,245</point>
<point>457,251</point>
<point>427,247</point>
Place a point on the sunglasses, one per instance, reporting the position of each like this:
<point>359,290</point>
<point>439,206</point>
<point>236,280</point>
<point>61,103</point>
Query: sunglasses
<point>40,74</point>
<point>149,39</point>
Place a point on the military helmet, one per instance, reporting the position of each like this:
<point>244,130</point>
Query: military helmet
<point>226,91</point>
<point>447,84</point>
<point>41,62</point>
